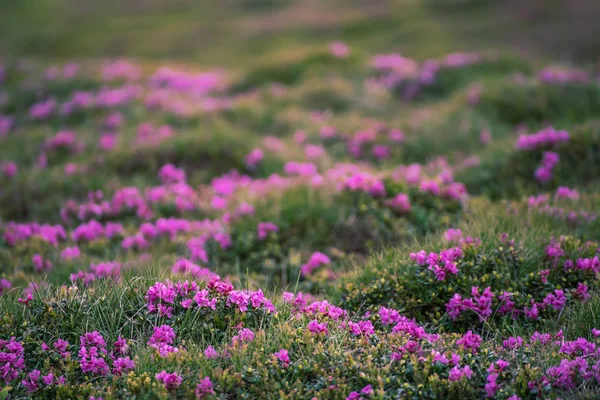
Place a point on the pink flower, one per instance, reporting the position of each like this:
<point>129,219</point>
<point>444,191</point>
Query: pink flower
<point>491,387</point>
<point>458,373</point>
<point>70,253</point>
<point>170,380</point>
<point>396,135</point>
<point>12,354</point>
<point>9,169</point>
<point>210,353</point>
<point>283,357</point>
<point>264,228</point>
<point>171,174</point>
<point>313,151</point>
<point>452,235</point>
<point>470,341</point>
<point>245,335</point>
<point>557,300</point>
<point>380,151</point>
<point>204,388</point>
<point>254,158</point>
<point>316,328</point>
<point>550,159</point>
<point>485,137</point>
<point>299,137</point>
<point>107,141</point>
<point>339,49</point>
<point>513,342</point>
<point>546,137</point>
<point>564,192</point>
<point>122,365</point>
<point>32,381</point>
<point>316,260</point>
<point>162,340</point>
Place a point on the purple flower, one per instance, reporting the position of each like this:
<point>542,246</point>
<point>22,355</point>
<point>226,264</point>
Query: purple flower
<point>283,356</point>
<point>204,388</point>
<point>170,380</point>
<point>122,365</point>
<point>316,328</point>
<point>470,341</point>
<point>316,260</point>
<point>264,228</point>
<point>210,353</point>
<point>245,335</point>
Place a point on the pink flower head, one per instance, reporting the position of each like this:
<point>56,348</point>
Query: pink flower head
<point>8,169</point>
<point>400,203</point>
<point>283,357</point>
<point>171,174</point>
<point>210,353</point>
<point>254,157</point>
<point>452,235</point>
<point>485,137</point>
<point>316,260</point>
<point>396,135</point>
<point>264,228</point>
<point>317,328</point>
<point>170,380</point>
<point>313,151</point>
<point>204,388</point>
<point>245,335</point>
<point>339,49</point>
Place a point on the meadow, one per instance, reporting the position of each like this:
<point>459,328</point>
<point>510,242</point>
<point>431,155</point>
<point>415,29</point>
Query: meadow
<point>299,199</point>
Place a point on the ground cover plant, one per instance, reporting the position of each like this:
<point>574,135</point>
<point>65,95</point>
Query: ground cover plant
<point>347,223</point>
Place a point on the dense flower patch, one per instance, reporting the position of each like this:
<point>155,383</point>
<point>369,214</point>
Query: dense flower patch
<point>295,231</point>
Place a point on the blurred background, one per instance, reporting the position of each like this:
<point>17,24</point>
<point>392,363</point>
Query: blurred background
<point>230,32</point>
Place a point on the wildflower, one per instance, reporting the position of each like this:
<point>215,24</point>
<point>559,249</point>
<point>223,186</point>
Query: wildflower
<point>491,387</point>
<point>25,300</point>
<point>564,192</point>
<point>254,158</point>
<point>170,380</point>
<point>485,137</point>
<point>122,365</point>
<point>546,137</point>
<point>283,356</point>
<point>400,203</point>
<point>245,335</point>
<point>380,151</point>
<point>170,174</point>
<point>316,328</point>
<point>8,169</point>
<point>210,353</point>
<point>316,260</point>
<point>470,341</point>
<point>61,347</point>
<point>12,357</point>
<point>31,383</point>
<point>204,388</point>
<point>162,340</point>
<point>513,342</point>
<point>388,316</point>
<point>264,228</point>
<point>457,373</point>
<point>339,49</point>
<point>312,151</point>
<point>396,135</point>
<point>70,253</point>
<point>361,328</point>
<point>48,379</point>
<point>452,235</point>
<point>556,299</point>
